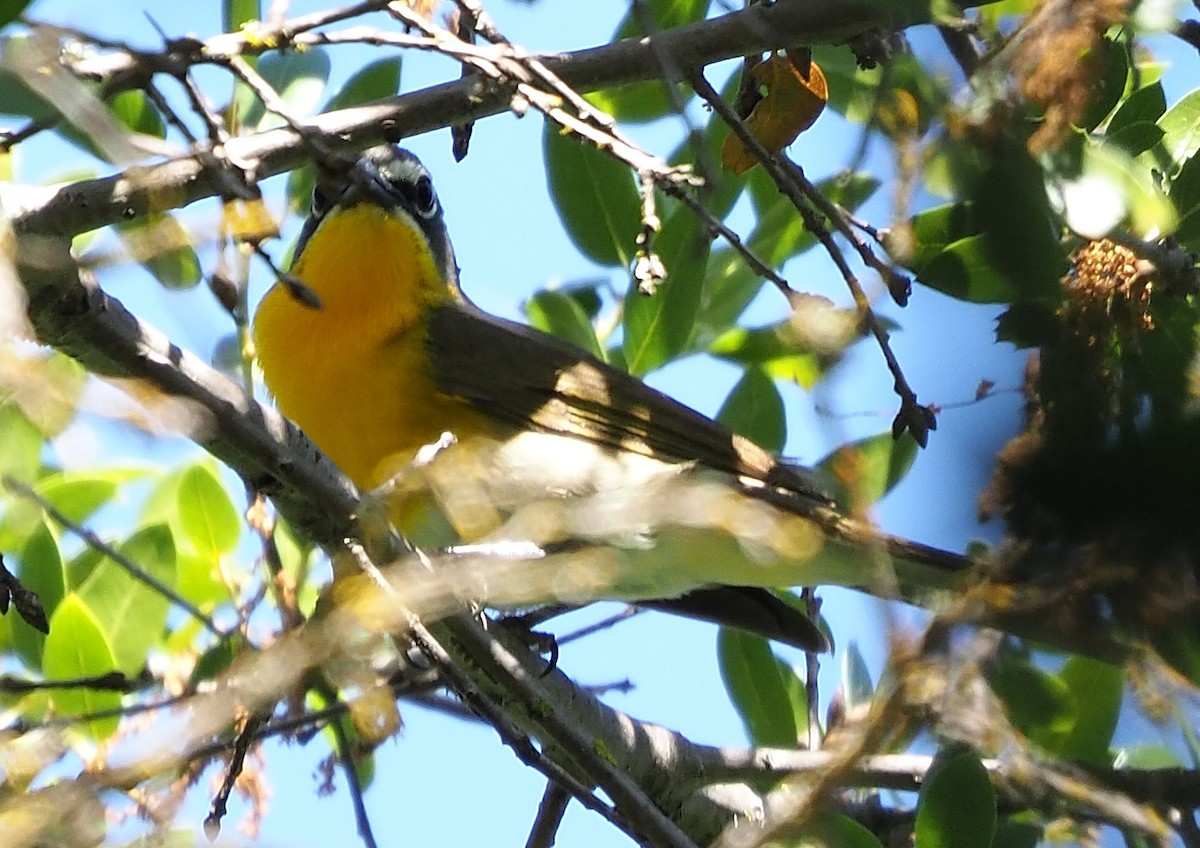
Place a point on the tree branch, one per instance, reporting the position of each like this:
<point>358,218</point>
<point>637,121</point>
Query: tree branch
<point>90,204</point>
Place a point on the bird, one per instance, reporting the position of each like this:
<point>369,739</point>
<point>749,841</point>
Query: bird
<point>487,430</point>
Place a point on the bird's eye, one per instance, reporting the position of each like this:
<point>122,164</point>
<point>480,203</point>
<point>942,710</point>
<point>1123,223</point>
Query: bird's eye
<point>424,199</point>
<point>320,203</point>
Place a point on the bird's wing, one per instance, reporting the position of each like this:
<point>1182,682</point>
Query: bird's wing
<point>516,373</point>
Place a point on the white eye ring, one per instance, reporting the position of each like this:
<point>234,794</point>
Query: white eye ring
<point>424,197</point>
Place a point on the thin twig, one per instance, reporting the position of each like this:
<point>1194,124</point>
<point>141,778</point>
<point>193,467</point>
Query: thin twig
<point>550,814</point>
<point>346,757</point>
<point>129,566</point>
<point>245,738</point>
<point>912,416</point>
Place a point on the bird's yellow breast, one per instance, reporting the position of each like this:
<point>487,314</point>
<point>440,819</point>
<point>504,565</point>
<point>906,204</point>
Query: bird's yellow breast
<point>354,374</point>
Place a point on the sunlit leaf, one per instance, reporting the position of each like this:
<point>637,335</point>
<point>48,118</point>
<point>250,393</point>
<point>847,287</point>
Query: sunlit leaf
<point>1181,127</point>
<point>297,76</point>
<point>1011,833</point>
<point>76,648</point>
<point>862,472</point>
<point>208,517</point>
<point>43,573</point>
<point>78,494</point>
<point>1096,688</point>
<point>645,101</point>
<point>134,110</point>
<point>775,349</point>
<point>1150,756</point>
<point>653,16</point>
<point>237,13</point>
<point>1110,189</point>
<point>20,445</point>
<point>131,613</point>
<point>1039,704</point>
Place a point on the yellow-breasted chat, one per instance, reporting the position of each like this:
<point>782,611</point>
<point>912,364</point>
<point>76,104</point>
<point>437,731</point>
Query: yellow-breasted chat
<point>486,430</point>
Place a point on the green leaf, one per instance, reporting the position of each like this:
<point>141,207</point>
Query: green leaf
<point>161,245</point>
<point>1028,324</point>
<point>862,472</point>
<point>754,409</point>
<point>595,198</point>
<point>857,688</point>
<point>1150,756</point>
<point>773,348</point>
<point>756,686</point>
<point>779,235</point>
<point>1146,105</point>
<point>42,572</point>
<point>1017,834</point>
<point>298,77</point>
<point>21,445</point>
<point>78,647</point>
<point>932,231</point>
<point>1178,644</point>
<point>1096,689</point>
<point>651,99</point>
<point>1038,704</point>
<point>373,81</point>
<point>10,10</point>
<point>1181,127</point>
<point>1013,212</point>
<point>957,806</point>
<point>852,90</point>
<point>1135,138</point>
<point>656,15</point>
<point>638,102</point>
<point>1185,190</point>
<point>834,830</point>
<point>214,661</point>
<point>82,565</point>
<point>1111,85</point>
<point>208,517</point>
<point>966,270</point>
<point>237,13</point>
<point>17,98</point>
<point>131,613</point>
<point>134,110</point>
<point>78,494</point>
<point>1112,187</point>
<point>199,581</point>
<point>645,101</point>
<point>559,314</point>
<point>659,326</point>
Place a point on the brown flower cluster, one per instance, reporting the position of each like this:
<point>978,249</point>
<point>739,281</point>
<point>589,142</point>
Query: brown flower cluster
<point>1109,288</point>
<point>1059,62</point>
